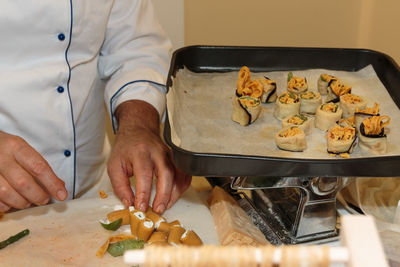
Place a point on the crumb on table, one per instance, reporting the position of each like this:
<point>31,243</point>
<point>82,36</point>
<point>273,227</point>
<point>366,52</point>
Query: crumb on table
<point>103,194</point>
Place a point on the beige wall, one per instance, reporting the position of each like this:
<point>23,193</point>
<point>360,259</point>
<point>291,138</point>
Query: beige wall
<point>369,24</point>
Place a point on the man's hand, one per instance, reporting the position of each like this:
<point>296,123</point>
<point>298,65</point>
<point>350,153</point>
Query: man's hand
<point>25,176</point>
<point>139,151</point>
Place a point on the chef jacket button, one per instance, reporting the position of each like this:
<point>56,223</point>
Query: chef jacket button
<point>61,37</point>
<point>67,153</point>
<point>60,89</point>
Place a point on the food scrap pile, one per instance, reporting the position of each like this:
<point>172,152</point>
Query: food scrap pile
<point>146,229</point>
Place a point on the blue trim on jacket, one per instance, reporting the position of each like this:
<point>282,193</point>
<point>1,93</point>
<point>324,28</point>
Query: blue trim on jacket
<point>70,100</point>
<point>119,90</point>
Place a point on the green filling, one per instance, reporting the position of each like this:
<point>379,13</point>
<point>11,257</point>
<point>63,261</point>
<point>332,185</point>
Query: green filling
<point>113,225</point>
<point>322,79</point>
<point>289,76</point>
<point>118,248</point>
<point>14,238</point>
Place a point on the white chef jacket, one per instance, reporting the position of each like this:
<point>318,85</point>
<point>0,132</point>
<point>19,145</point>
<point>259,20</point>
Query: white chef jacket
<point>61,60</point>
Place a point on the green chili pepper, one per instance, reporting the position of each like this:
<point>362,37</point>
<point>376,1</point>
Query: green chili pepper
<point>14,238</point>
<point>289,76</point>
<point>113,225</point>
<point>118,248</point>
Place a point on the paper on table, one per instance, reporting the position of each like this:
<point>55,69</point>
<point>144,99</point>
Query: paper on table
<point>69,233</point>
<point>200,109</point>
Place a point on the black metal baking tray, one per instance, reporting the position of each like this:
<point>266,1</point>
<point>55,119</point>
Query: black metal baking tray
<point>263,59</point>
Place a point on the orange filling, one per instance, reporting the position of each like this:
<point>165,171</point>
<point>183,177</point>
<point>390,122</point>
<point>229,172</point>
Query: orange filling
<point>327,78</point>
<point>288,98</point>
<point>371,111</point>
<point>292,131</point>
<point>340,88</point>
<point>329,107</point>
<point>297,82</point>
<point>338,133</point>
<point>308,95</point>
<point>352,99</point>
<point>375,124</point>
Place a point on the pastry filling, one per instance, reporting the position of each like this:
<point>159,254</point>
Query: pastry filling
<point>291,131</point>
<point>249,102</point>
<point>370,111</point>
<point>243,77</point>
<point>352,99</point>
<point>327,78</point>
<point>297,83</point>
<point>288,98</point>
<point>308,95</point>
<point>374,125</point>
<point>339,88</point>
<point>330,107</point>
<point>338,133</point>
<point>297,119</point>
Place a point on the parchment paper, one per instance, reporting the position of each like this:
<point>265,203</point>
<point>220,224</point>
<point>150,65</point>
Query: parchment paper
<point>200,109</point>
<point>69,233</point>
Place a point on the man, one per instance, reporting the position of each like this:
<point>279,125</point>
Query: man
<point>59,62</point>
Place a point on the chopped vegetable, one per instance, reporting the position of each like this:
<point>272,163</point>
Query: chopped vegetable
<point>289,76</point>
<point>118,248</point>
<point>113,225</point>
<point>14,238</point>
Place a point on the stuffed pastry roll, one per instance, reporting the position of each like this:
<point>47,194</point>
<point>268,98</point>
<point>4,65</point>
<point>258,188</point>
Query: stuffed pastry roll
<point>246,110</point>
<point>269,90</point>
<point>296,85</point>
<point>341,140</point>
<point>360,115</point>
<point>292,139</point>
<point>299,120</point>
<point>286,104</point>
<point>323,83</point>
<point>309,102</point>
<point>327,115</point>
<point>349,103</point>
<point>372,134</point>
<point>335,90</point>
<point>243,77</point>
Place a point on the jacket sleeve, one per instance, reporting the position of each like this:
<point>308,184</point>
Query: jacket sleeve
<point>135,56</point>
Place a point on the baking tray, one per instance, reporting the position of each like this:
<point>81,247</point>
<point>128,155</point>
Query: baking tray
<point>264,59</point>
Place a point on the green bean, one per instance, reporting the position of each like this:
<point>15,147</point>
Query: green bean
<point>14,238</point>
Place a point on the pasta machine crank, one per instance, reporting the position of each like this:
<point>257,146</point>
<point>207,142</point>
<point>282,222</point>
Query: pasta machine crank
<point>289,210</point>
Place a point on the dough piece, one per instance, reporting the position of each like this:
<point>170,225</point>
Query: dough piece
<point>286,104</point>
<point>117,214</point>
<point>233,225</point>
<point>303,122</point>
<point>246,110</point>
<point>291,139</point>
<point>327,115</point>
<point>323,83</point>
<point>309,102</point>
<point>296,85</point>
<point>350,103</point>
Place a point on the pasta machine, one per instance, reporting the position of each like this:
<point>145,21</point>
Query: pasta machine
<point>288,210</point>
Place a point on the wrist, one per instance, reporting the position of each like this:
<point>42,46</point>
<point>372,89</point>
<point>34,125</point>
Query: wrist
<point>134,114</point>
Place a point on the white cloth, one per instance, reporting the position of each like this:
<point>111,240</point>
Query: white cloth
<point>61,60</point>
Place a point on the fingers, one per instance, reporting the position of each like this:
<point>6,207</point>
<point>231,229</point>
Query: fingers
<point>37,166</point>
<point>165,181</point>
<point>119,174</point>
<point>24,184</point>
<point>143,170</point>
<point>10,198</point>
<point>3,207</point>
<point>182,182</point>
